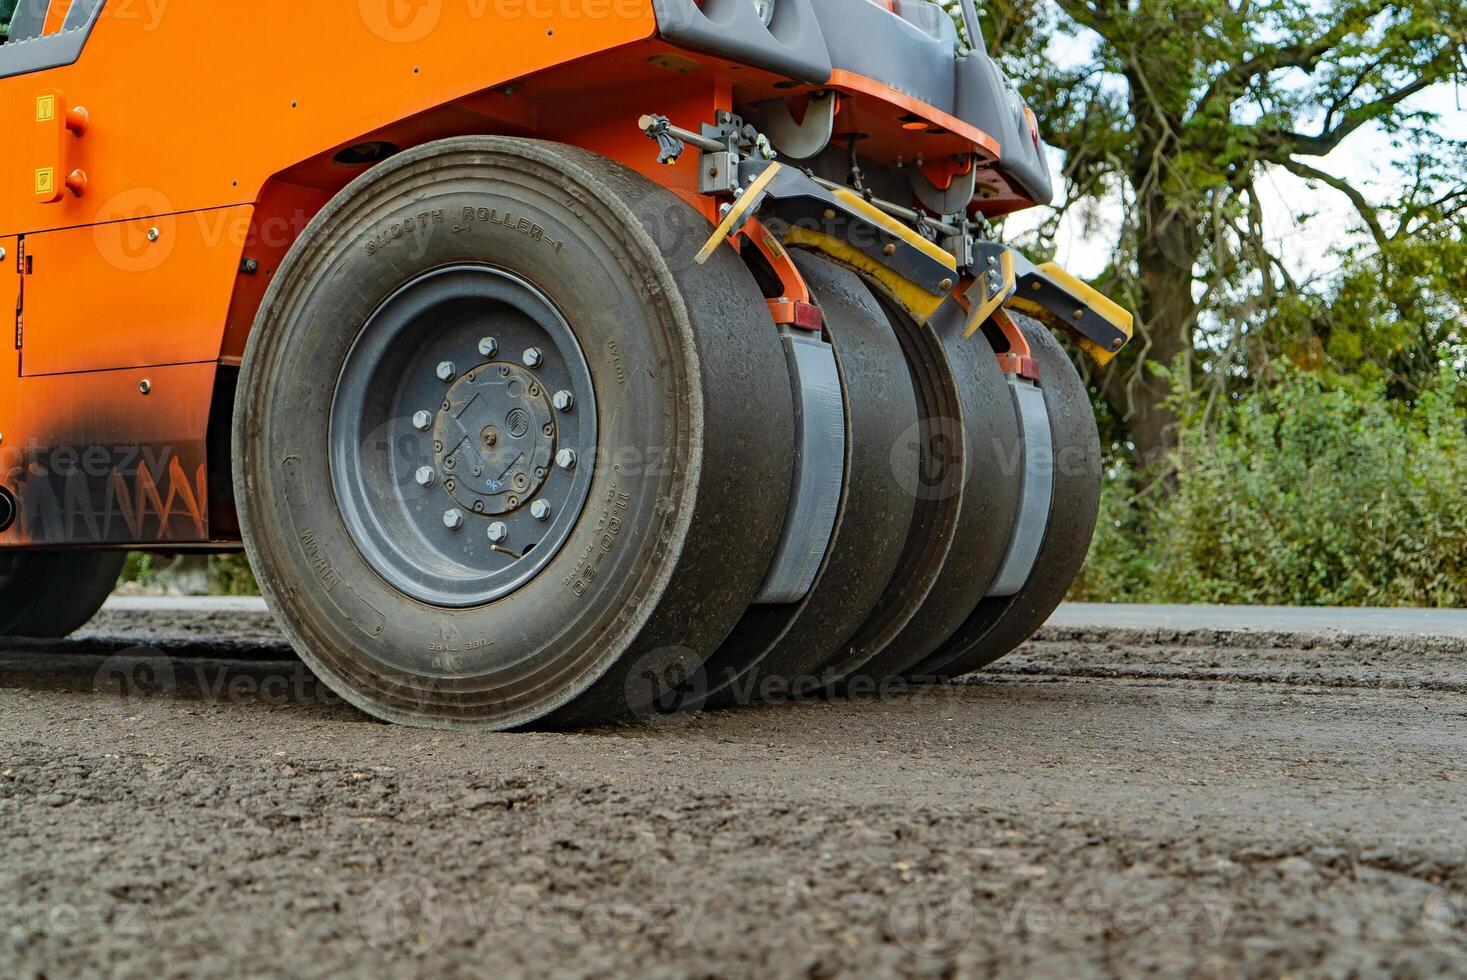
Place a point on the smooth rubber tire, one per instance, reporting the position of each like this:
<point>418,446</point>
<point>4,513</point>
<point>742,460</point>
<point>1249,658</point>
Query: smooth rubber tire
<point>776,651</point>
<point>999,625</point>
<point>967,496</point>
<point>51,594</point>
<point>694,413</point>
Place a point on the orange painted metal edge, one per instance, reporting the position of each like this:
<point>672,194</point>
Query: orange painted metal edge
<point>56,16</point>
<point>851,82</point>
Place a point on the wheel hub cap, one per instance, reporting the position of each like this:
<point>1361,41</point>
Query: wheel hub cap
<point>495,438</point>
<point>453,408</point>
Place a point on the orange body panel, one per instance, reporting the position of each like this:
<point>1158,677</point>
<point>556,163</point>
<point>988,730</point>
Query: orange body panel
<point>83,486</point>
<point>203,103</point>
<point>165,283</point>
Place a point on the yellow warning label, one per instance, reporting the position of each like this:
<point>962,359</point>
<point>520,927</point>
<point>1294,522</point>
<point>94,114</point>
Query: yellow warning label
<point>46,180</point>
<point>45,108</point>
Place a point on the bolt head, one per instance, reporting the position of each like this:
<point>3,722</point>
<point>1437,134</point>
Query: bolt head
<point>3,253</point>
<point>447,371</point>
<point>540,510</point>
<point>533,357</point>
<point>453,519</point>
<point>145,386</point>
<point>498,532</point>
<point>154,234</point>
<point>564,401</point>
<point>425,476</point>
<point>566,459</point>
<point>488,346</point>
<point>422,421</point>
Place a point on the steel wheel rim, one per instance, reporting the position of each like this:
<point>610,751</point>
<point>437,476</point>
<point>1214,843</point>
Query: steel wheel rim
<point>463,436</point>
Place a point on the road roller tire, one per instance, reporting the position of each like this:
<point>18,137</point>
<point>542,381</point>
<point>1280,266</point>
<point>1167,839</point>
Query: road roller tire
<point>999,625</point>
<point>444,332</point>
<point>51,594</point>
<point>967,498</point>
<point>776,651</point>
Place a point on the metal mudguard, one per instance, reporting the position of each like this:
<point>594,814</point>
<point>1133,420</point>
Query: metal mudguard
<point>914,52</point>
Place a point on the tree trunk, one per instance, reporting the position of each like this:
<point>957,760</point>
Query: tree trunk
<point>1166,316</point>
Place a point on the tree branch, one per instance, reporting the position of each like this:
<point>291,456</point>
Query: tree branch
<point>1328,138</point>
<point>1369,213</point>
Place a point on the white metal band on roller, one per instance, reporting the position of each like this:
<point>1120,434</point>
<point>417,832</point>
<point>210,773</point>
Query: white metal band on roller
<point>820,459</point>
<point>1037,493</point>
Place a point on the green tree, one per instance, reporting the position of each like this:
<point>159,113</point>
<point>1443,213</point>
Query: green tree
<point>1175,112</point>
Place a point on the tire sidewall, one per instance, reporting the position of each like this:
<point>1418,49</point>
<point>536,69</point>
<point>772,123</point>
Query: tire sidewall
<point>502,203</point>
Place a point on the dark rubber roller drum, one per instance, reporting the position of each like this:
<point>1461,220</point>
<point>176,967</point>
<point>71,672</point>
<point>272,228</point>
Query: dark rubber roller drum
<point>999,625</point>
<point>776,650</point>
<point>967,497</point>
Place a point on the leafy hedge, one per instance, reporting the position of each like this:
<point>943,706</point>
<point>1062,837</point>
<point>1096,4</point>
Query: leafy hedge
<point>1300,493</point>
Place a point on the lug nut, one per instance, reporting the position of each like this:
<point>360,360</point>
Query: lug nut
<point>488,346</point>
<point>422,421</point>
<point>540,510</point>
<point>566,459</point>
<point>425,476</point>
<point>446,371</point>
<point>533,358</point>
<point>564,401</point>
<point>453,519</point>
<point>498,532</point>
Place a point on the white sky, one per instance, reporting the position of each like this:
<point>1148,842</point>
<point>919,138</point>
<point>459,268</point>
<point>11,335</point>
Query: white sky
<point>1364,159</point>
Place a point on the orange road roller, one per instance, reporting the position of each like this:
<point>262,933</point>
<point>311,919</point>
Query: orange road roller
<point>554,361</point>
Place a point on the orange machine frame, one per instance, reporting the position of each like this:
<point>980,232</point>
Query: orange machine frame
<point>189,149</point>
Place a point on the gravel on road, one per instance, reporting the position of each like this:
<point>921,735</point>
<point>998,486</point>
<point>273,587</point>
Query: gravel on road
<point>180,797</point>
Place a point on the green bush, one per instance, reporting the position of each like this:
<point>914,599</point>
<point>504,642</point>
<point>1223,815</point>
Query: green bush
<point>1301,493</point>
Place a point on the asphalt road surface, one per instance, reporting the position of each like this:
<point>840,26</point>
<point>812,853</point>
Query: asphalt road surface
<point>179,797</point>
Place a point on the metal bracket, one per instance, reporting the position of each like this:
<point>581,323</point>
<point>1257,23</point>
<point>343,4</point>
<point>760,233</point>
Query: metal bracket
<point>951,199</point>
<point>799,140</point>
<point>994,285</point>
